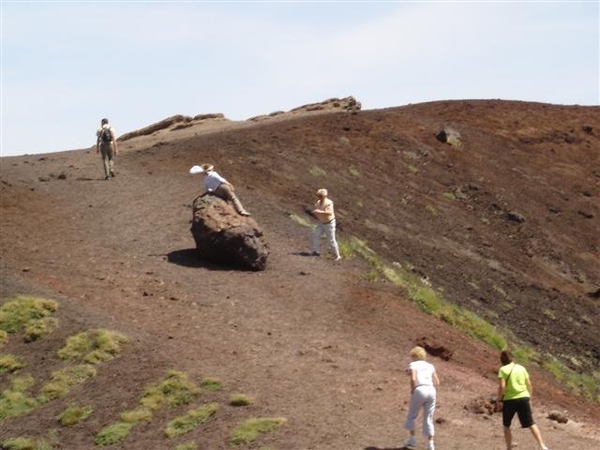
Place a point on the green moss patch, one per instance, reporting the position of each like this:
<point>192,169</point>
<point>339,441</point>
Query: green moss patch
<point>93,347</point>
<point>25,443</point>
<point>141,414</point>
<point>249,430</point>
<point>191,420</point>
<point>174,390</point>
<point>113,433</point>
<point>28,314</point>
<point>240,400</point>
<point>3,338</point>
<point>10,363</point>
<point>74,414</point>
<point>212,384</point>
<point>15,401</point>
<point>187,446</point>
<point>63,380</point>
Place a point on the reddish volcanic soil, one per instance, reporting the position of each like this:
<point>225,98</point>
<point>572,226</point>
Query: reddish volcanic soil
<point>505,224</point>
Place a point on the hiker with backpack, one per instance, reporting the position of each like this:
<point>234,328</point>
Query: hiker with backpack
<point>106,144</point>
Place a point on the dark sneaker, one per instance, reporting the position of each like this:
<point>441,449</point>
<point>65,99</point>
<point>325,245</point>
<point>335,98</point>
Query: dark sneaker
<point>315,254</point>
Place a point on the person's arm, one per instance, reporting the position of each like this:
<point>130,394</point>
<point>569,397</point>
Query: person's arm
<point>317,210</point>
<point>114,141</point>
<point>98,141</point>
<point>413,380</point>
<point>325,211</point>
<point>501,389</point>
<point>529,386</point>
<point>436,380</point>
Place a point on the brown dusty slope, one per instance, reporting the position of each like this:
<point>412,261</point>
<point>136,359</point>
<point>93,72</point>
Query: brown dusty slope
<point>506,225</point>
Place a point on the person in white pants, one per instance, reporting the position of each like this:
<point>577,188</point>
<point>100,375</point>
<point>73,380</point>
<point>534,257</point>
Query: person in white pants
<point>423,379</point>
<point>325,214</point>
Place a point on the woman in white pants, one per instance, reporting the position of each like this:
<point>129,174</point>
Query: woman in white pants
<point>423,379</point>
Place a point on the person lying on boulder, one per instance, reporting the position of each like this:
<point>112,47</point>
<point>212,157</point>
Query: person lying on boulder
<point>215,184</point>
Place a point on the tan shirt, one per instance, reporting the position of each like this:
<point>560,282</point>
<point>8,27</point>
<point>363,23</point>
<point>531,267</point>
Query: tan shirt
<point>324,210</point>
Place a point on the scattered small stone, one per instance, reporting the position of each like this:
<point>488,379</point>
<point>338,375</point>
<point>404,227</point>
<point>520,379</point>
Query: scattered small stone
<point>515,217</point>
<point>482,405</point>
<point>435,349</point>
<point>557,416</point>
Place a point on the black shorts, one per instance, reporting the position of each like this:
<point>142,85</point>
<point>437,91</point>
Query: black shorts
<point>519,406</point>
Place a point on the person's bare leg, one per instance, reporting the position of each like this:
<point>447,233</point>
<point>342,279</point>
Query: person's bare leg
<point>537,435</point>
<point>508,438</point>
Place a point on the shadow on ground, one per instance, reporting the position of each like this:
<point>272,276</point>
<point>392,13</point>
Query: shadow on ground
<point>189,257</point>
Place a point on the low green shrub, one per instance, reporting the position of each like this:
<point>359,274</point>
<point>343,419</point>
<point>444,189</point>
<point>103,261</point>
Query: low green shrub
<point>174,390</point>
<point>37,329</point>
<point>29,314</point>
<point>316,171</point>
<point>10,363</point>
<point>24,443</point>
<point>63,380</point>
<point>3,338</point>
<point>191,420</point>
<point>141,414</point>
<point>113,433</point>
<point>15,401</point>
<point>94,347</point>
<point>74,414</point>
<point>240,400</point>
<point>212,384</point>
<point>187,446</point>
<point>250,429</point>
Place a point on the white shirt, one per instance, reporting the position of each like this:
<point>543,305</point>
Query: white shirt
<point>213,180</point>
<point>424,372</point>
<point>112,132</point>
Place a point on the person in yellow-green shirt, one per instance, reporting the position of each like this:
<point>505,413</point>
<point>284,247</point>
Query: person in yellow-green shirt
<point>514,391</point>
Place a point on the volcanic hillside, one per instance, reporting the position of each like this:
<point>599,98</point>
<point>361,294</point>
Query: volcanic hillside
<point>484,235</point>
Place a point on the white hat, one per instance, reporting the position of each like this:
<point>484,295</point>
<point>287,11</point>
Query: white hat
<point>196,169</point>
<point>322,192</point>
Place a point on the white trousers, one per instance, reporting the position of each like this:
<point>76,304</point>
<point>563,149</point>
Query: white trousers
<point>423,397</point>
<point>329,230</point>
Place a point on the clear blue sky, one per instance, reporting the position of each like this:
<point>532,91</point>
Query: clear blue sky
<point>67,64</point>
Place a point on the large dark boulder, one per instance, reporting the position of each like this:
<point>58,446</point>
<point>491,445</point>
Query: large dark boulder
<point>225,237</point>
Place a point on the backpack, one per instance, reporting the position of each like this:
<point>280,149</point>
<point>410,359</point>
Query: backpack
<point>106,135</point>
